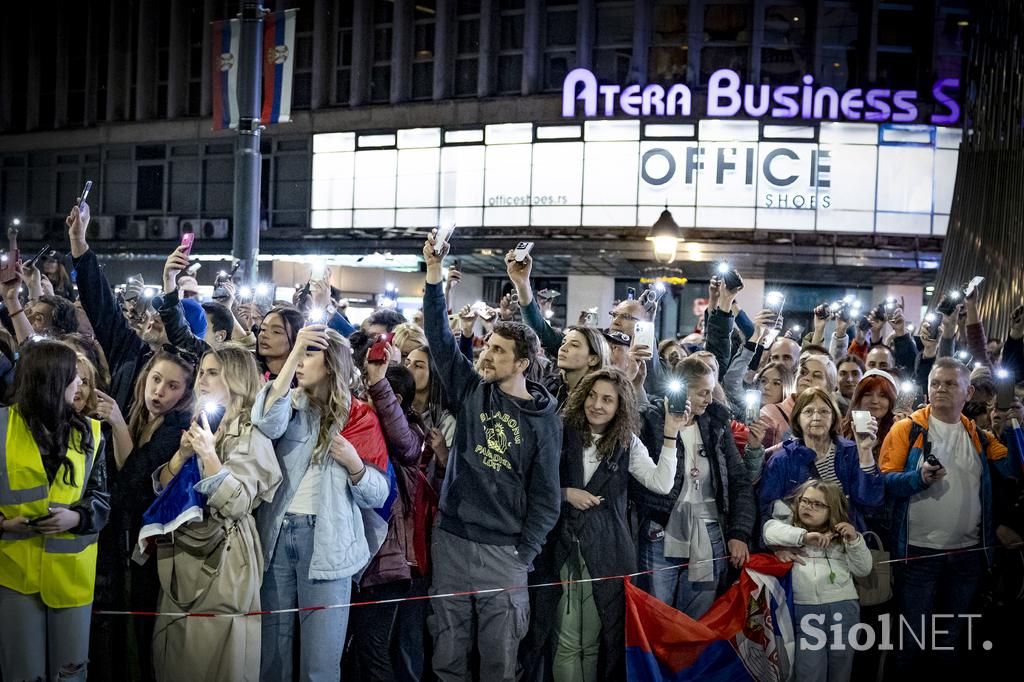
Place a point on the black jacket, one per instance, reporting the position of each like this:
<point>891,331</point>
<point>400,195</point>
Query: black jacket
<point>501,484</point>
<point>125,351</point>
<point>734,493</point>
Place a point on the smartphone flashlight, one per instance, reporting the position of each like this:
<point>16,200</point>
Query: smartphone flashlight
<point>262,289</point>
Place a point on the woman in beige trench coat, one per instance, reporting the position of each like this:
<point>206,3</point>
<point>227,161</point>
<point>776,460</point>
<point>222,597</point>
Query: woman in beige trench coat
<point>216,565</point>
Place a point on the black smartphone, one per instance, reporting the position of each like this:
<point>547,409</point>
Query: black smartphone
<point>214,414</point>
<point>933,460</point>
<point>730,278</point>
<point>879,312</point>
<point>31,262</point>
<point>825,310</point>
<point>949,302</point>
<point>1005,382</point>
<point>864,324</point>
<point>39,519</point>
<point>677,397</point>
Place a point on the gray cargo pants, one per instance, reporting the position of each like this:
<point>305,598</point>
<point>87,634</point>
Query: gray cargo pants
<point>34,636</point>
<point>501,618</point>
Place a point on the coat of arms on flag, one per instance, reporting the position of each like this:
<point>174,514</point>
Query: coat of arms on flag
<point>278,67</point>
<point>747,634</point>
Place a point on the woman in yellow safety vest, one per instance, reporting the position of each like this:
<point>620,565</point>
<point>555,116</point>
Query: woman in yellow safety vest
<point>53,502</point>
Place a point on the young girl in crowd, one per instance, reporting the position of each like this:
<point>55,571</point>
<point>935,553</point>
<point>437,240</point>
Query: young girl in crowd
<point>824,594</point>
<point>312,531</point>
<point>432,407</point>
<point>161,410</point>
<point>215,565</point>
<point>51,509</point>
<point>600,453</point>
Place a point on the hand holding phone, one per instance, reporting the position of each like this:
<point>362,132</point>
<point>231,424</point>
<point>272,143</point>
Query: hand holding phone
<point>84,195</point>
<point>187,240</point>
<point>444,233</point>
<point>644,335</point>
<point>9,263</point>
<point>1005,382</point>
<point>861,419</point>
<point>521,251</point>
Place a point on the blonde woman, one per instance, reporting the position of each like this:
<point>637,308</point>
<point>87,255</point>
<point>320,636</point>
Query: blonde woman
<point>312,532</point>
<point>216,566</point>
<point>408,337</point>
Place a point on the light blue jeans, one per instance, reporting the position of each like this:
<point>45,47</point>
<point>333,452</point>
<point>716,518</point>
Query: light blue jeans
<point>286,585</point>
<point>825,663</point>
<point>673,586</point>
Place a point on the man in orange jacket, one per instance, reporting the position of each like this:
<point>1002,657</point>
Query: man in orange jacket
<point>936,467</point>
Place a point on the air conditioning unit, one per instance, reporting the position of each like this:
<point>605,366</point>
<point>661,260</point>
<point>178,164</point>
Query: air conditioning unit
<point>31,232</point>
<point>206,228</point>
<point>214,228</point>
<point>103,227</point>
<point>136,229</point>
<point>162,228</point>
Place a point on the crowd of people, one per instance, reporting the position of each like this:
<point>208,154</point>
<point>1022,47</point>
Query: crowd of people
<point>365,468</point>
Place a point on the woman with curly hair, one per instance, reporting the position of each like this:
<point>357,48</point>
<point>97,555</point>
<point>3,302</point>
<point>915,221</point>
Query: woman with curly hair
<point>574,626</point>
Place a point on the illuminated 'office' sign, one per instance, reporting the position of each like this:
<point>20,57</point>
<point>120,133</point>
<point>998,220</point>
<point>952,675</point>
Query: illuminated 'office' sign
<point>728,96</point>
<point>714,173</point>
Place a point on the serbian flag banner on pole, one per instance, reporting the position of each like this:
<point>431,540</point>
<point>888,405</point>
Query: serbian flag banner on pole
<point>746,635</point>
<point>224,62</point>
<point>278,63</point>
<point>363,431</point>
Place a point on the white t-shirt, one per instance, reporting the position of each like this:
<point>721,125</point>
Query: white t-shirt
<point>307,497</point>
<point>948,514</point>
<point>658,477</point>
<point>696,455</point>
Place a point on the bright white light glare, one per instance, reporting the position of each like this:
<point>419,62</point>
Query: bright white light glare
<point>1003,374</point>
<point>751,399</point>
<point>908,387</point>
<point>675,386</point>
<point>834,307</point>
<point>930,317</point>
<point>774,297</point>
<point>262,289</point>
<point>222,273</point>
<point>477,304</point>
<point>723,268</point>
<point>890,299</point>
<point>16,222</point>
<point>856,304</point>
<point>962,355</point>
<point>210,407</point>
<point>848,298</point>
<point>317,315</point>
<point>954,295</point>
<point>797,329</point>
<point>978,365</point>
<point>245,292</point>
<point>389,287</point>
<point>150,292</point>
<point>317,269</point>
<point>910,327</point>
<point>549,314</point>
<point>3,259</point>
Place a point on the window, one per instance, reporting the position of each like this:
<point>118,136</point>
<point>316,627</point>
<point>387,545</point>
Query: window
<point>194,87</point>
<point>77,64</point>
<point>951,41</point>
<point>667,57</point>
<point>302,75</point>
<point>149,187</point>
<point>841,63</point>
<point>383,32</point>
<point>559,43</point>
<point>424,21</point>
<point>726,39</point>
<point>510,46</point>
<point>163,37</point>
<point>901,41</point>
<point>786,49</point>
<point>343,38</point>
<point>613,50</point>
<point>467,48</point>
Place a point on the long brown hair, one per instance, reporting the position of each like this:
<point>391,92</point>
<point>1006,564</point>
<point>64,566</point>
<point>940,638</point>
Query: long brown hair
<point>866,385</point>
<point>138,416</point>
<point>623,425</point>
<point>335,410</point>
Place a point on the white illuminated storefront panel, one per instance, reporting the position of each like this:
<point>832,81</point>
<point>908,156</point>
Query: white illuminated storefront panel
<point>720,174</point>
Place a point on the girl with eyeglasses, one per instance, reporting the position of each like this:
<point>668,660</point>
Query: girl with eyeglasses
<point>816,521</point>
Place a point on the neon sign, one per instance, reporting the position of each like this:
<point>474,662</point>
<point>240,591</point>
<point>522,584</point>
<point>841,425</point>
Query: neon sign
<point>728,96</point>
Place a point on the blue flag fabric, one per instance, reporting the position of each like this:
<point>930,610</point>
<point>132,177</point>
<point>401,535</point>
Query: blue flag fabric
<point>177,504</point>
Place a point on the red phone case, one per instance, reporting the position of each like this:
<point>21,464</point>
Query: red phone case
<point>186,242</point>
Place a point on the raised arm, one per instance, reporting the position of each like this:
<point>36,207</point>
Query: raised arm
<point>519,274</point>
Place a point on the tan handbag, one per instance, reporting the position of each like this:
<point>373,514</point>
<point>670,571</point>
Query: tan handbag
<point>876,587</point>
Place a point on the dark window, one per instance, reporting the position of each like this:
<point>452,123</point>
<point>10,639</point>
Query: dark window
<point>343,73</point>
<point>149,188</point>
<point>786,24</point>
<point>840,25</point>
<point>423,49</point>
<point>727,23</point>
<point>380,74</point>
<point>669,51</point>
<point>560,43</point>
<point>613,49</point>
<point>467,51</point>
<point>714,58</point>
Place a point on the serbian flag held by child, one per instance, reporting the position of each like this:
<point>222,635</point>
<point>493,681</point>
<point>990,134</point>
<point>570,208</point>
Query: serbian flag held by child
<point>746,635</point>
<point>363,431</point>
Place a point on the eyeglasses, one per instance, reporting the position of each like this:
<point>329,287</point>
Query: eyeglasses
<point>623,316</point>
<point>824,412</point>
<point>813,504</point>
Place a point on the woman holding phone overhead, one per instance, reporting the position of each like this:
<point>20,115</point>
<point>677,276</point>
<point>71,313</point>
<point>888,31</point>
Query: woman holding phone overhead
<point>53,502</point>
<point>216,565</point>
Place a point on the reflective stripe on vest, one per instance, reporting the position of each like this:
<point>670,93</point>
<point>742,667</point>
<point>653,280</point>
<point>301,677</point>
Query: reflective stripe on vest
<point>61,568</point>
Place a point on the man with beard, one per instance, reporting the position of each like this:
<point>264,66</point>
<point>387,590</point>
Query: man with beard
<point>501,493</point>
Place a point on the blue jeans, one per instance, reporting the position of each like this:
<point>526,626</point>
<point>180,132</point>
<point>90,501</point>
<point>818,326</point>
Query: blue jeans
<point>674,587</point>
<point>286,585</point>
<point>943,585</point>
<point>826,664</point>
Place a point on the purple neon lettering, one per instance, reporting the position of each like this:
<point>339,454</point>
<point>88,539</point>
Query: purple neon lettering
<point>851,104</point>
<point>807,97</point>
<point>630,100</point>
<point>729,90</point>
<point>765,101</point>
<point>788,107</point>
<point>588,95</point>
<point>679,95</point>
<point>833,103</point>
<point>654,100</point>
<point>876,98</point>
<point>945,100</point>
<point>609,92</point>
<point>904,109</point>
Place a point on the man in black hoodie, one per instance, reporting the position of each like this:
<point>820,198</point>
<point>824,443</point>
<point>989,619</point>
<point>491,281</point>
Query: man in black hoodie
<point>501,493</point>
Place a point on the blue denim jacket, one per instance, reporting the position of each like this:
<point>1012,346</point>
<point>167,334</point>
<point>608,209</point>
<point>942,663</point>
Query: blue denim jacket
<point>340,549</point>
